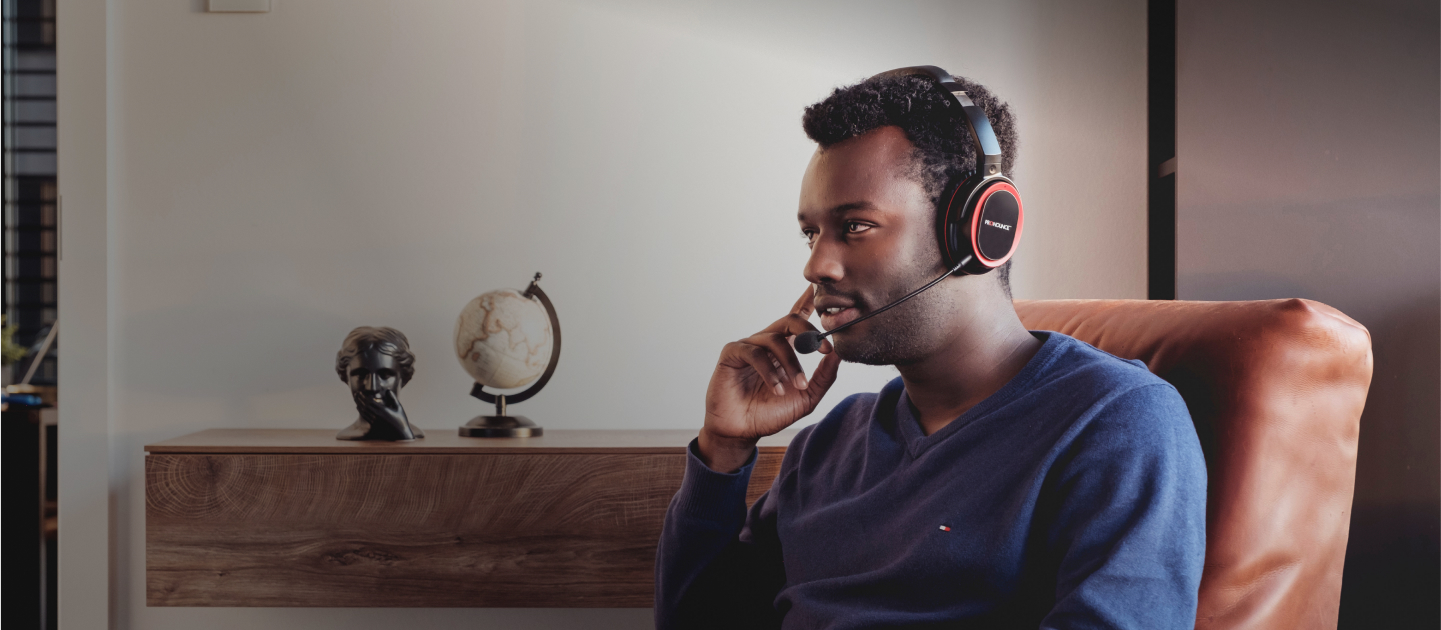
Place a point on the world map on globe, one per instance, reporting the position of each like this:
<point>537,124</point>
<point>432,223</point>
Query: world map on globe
<point>503,339</point>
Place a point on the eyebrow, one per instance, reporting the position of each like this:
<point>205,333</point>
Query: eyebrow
<point>843,208</point>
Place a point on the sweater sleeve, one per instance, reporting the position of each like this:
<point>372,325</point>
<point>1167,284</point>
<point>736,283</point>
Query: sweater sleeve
<point>717,565</point>
<point>1130,528</point>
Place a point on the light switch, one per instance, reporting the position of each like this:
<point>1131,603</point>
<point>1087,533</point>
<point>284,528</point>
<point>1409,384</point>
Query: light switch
<point>239,6</point>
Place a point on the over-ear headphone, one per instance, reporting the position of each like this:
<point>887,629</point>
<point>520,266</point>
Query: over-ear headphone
<point>979,217</point>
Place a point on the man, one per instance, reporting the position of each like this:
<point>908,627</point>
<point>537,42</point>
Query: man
<point>1007,478</point>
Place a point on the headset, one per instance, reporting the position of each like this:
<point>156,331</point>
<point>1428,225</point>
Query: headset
<point>979,216</point>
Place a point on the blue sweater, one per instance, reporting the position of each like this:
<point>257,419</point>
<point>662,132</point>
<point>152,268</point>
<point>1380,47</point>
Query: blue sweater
<point>1073,497</point>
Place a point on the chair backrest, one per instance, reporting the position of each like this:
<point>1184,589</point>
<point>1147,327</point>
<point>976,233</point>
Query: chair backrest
<point>1276,390</point>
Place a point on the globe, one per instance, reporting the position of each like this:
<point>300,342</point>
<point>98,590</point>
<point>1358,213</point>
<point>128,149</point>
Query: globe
<point>503,339</point>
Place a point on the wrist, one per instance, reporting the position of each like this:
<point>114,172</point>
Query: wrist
<point>724,454</point>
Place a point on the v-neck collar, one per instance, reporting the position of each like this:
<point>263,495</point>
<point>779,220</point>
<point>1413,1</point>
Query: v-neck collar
<point>908,420</point>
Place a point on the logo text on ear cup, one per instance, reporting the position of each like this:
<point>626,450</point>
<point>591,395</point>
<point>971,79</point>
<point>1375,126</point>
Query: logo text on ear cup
<point>997,225</point>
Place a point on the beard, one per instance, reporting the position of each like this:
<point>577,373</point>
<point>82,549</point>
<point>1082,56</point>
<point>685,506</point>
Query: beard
<point>905,334</point>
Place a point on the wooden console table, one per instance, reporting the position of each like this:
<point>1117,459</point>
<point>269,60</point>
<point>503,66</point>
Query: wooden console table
<point>297,518</point>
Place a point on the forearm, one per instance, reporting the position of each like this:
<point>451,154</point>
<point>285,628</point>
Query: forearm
<point>708,570</point>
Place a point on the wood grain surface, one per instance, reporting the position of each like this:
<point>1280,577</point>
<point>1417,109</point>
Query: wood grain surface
<point>442,441</point>
<point>532,529</point>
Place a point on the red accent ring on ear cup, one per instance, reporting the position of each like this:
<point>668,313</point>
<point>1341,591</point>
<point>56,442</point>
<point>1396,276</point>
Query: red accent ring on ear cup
<point>976,212</point>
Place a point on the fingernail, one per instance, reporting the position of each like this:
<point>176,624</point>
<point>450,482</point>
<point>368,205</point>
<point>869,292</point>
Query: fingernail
<point>800,381</point>
<point>780,390</point>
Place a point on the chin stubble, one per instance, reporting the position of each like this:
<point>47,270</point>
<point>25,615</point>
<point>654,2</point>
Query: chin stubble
<point>903,335</point>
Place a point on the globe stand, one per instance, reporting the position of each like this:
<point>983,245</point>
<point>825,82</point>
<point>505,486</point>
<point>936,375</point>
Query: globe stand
<point>500,424</point>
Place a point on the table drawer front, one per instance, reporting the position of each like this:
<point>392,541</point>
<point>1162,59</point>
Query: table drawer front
<point>425,530</point>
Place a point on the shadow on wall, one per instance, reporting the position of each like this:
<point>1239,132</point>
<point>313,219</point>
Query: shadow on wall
<point>1247,285</point>
<point>1392,557</point>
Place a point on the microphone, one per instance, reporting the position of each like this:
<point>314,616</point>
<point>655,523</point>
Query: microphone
<point>810,340</point>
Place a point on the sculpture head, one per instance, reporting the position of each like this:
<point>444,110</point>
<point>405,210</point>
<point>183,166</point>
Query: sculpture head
<point>374,360</point>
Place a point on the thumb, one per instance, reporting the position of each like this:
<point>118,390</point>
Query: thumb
<point>823,377</point>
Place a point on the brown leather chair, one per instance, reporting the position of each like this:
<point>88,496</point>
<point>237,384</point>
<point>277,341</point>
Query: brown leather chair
<point>1275,389</point>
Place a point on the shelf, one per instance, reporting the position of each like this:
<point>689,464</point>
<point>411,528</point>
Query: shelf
<point>297,518</point>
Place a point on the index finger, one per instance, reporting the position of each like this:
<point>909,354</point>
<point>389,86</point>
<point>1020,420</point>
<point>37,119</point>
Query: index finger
<point>807,304</point>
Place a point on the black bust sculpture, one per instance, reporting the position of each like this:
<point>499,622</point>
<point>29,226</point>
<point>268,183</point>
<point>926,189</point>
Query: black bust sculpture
<point>376,363</point>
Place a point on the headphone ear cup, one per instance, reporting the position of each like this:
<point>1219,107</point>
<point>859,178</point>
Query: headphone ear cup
<point>981,224</point>
<point>951,221</point>
<point>994,221</point>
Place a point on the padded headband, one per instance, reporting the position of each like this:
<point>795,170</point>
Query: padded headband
<point>981,131</point>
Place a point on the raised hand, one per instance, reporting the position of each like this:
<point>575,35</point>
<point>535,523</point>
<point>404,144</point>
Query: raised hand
<point>759,388</point>
<point>386,416</point>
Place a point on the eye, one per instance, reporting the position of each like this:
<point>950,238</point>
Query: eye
<point>809,236</point>
<point>856,227</point>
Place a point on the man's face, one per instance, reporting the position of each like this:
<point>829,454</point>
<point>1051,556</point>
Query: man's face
<point>372,373</point>
<point>871,234</point>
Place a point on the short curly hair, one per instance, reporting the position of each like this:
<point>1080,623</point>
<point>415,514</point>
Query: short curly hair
<point>944,150</point>
<point>383,338</point>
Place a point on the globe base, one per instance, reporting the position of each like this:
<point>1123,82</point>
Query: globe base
<point>500,426</point>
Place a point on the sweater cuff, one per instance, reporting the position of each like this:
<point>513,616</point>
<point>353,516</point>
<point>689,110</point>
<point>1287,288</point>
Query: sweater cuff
<point>710,495</point>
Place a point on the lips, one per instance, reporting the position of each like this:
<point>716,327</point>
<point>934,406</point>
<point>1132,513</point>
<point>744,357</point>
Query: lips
<point>830,321</point>
<point>836,310</point>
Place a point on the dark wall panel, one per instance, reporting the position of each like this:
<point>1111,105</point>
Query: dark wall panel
<point>1308,167</point>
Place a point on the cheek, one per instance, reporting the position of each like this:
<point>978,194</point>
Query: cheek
<point>917,253</point>
<point>926,243</point>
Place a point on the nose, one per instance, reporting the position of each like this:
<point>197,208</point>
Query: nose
<point>372,382</point>
<point>824,265</point>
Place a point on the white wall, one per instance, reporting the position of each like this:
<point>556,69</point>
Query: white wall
<point>277,179</point>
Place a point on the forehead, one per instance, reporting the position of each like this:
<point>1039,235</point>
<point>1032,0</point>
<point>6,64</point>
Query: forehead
<point>372,358</point>
<point>868,169</point>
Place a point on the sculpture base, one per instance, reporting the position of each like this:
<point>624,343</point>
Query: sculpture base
<point>500,426</point>
<point>361,431</point>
